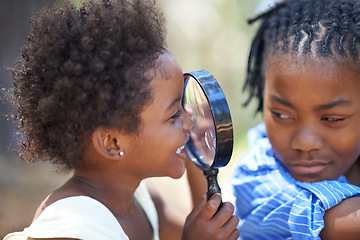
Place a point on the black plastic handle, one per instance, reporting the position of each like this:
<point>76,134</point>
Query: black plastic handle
<point>213,186</point>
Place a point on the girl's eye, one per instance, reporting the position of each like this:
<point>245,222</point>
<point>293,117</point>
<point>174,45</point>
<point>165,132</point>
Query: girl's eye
<point>333,119</point>
<point>281,115</point>
<point>176,115</point>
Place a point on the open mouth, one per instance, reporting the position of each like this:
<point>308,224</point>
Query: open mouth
<point>180,149</point>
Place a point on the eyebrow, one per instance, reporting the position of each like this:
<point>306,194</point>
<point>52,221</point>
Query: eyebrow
<point>282,101</point>
<point>334,103</point>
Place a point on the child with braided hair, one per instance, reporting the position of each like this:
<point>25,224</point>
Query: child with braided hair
<point>98,95</point>
<point>300,176</point>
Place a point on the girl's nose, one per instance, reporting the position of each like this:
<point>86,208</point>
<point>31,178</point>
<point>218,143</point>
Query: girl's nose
<point>187,122</point>
<point>306,139</point>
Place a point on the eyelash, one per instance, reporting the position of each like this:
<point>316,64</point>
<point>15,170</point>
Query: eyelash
<point>281,115</point>
<point>333,119</point>
<point>176,115</point>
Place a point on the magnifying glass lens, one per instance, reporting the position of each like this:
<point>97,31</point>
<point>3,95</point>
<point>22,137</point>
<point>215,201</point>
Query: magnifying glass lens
<point>202,134</point>
<point>210,140</point>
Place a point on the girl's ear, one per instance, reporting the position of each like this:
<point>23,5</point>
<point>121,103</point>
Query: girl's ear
<point>106,142</point>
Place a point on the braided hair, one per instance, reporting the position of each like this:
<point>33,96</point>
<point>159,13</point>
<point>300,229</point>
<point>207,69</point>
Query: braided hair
<point>321,28</point>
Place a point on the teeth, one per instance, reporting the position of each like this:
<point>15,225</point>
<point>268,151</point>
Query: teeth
<point>178,151</point>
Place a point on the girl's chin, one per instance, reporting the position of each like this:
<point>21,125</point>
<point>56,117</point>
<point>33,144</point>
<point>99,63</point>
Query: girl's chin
<point>178,174</point>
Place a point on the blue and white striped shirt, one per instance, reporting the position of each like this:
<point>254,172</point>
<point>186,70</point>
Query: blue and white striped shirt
<point>273,205</point>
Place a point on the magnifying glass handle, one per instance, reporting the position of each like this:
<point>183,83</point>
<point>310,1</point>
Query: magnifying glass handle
<point>213,186</point>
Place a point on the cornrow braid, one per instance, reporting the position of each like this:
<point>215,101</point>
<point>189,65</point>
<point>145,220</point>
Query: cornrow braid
<point>323,28</point>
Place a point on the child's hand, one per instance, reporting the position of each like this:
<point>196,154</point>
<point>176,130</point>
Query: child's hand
<point>201,224</point>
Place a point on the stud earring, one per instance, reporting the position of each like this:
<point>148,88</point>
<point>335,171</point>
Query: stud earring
<point>121,153</point>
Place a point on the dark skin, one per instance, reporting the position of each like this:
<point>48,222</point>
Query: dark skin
<point>316,134</point>
<point>342,220</point>
<point>112,178</point>
<point>353,174</point>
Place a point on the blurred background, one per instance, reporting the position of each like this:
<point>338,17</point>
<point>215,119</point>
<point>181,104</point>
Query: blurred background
<point>202,34</point>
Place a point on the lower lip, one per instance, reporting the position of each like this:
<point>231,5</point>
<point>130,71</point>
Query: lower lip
<point>301,169</point>
<point>182,154</point>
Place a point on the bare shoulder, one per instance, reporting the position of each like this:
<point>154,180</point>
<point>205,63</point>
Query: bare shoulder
<point>41,207</point>
<point>65,191</point>
<point>343,220</point>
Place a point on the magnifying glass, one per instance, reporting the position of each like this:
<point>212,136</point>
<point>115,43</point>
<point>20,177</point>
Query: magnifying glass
<point>211,138</point>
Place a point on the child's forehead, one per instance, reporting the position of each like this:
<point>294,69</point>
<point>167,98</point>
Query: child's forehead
<point>315,72</point>
<point>305,62</point>
<point>165,67</point>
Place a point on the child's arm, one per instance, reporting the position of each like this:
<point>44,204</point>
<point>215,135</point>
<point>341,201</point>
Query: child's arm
<point>171,222</point>
<point>197,181</point>
<point>343,220</point>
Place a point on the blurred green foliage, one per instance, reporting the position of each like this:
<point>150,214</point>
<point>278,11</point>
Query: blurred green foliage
<point>214,35</point>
